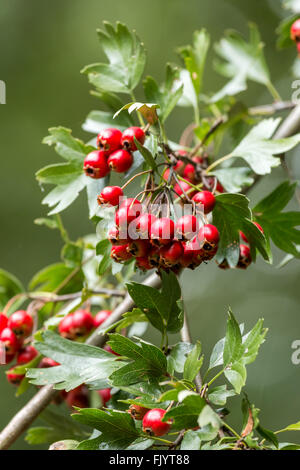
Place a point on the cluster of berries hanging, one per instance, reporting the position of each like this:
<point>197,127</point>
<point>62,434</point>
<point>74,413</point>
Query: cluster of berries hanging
<point>115,152</point>
<point>295,34</point>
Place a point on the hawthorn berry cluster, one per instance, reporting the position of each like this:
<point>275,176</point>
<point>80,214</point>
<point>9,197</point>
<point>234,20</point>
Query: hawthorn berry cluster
<point>295,34</point>
<point>115,151</point>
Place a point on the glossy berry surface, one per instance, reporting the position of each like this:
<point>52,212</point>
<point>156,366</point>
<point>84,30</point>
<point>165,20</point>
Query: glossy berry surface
<point>153,424</point>
<point>66,328</point>
<point>295,30</point>
<point>78,397</point>
<point>206,199</point>
<point>95,164</point>
<point>10,340</point>
<point>48,362</point>
<point>187,227</point>
<point>143,225</point>
<point>83,322</point>
<point>209,236</point>
<point>245,257</point>
<point>21,323</point>
<point>110,195</point>
<point>171,254</point>
<point>183,188</point>
<point>162,231</point>
<point>105,395</point>
<point>13,378</point>
<point>101,317</point>
<point>120,253</point>
<point>189,172</point>
<point>129,210</point>
<point>120,161</point>
<point>26,355</point>
<point>109,140</point>
<point>139,248</point>
<point>3,321</point>
<point>128,136</point>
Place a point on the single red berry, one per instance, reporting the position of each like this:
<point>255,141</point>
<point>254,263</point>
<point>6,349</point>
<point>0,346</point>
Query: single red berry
<point>186,227</point>
<point>154,257</point>
<point>120,253</point>
<point>3,321</point>
<point>139,248</point>
<point>143,263</point>
<point>129,210</point>
<point>186,260</point>
<point>207,199</point>
<point>11,342</point>
<point>48,362</point>
<point>162,231</point>
<point>171,254</point>
<point>78,397</point>
<point>219,188</point>
<point>153,424</point>
<point>83,322</point>
<point>118,236</point>
<point>245,257</point>
<point>110,195</point>
<point>143,225</point>
<point>107,348</point>
<point>120,161</point>
<point>101,317</point>
<point>66,327</point>
<point>21,323</point>
<point>183,187</point>
<point>95,164</point>
<point>128,138</point>
<point>209,236</point>
<point>244,236</point>
<point>109,140</point>
<point>26,355</point>
<point>295,30</point>
<point>198,159</point>
<point>137,412</point>
<point>8,358</point>
<point>105,395</point>
<point>179,167</point>
<point>189,172</point>
<point>13,378</point>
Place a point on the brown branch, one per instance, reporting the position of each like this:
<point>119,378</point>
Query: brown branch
<point>25,417</point>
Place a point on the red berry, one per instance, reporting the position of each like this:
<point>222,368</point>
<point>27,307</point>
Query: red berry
<point>154,256</point>
<point>83,322</point>
<point>153,424</point>
<point>7,359</point>
<point>66,327</point>
<point>137,412</point>
<point>11,342</point>
<point>187,227</point>
<point>107,348</point>
<point>162,231</point>
<point>245,257</point>
<point>101,317</point>
<point>78,397</point>
<point>295,30</point>
<point>120,161</point>
<point>13,378</point>
<point>143,225</point>
<point>26,355</point>
<point>109,140</point>
<point>21,323</point>
<point>198,159</point>
<point>143,263</point>
<point>48,362</point>
<point>118,236</point>
<point>244,236</point>
<point>110,195</point>
<point>183,187</point>
<point>207,199</point>
<point>186,260</point>
<point>139,248</point>
<point>95,164</point>
<point>128,138</point>
<point>189,172</point>
<point>171,254</point>
<point>129,210</point>
<point>120,253</point>
<point>3,321</point>
<point>209,236</point>
<point>105,395</point>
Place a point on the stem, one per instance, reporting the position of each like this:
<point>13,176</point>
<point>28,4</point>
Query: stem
<point>63,231</point>
<point>217,162</point>
<point>273,92</point>
<point>231,430</point>
<point>136,176</point>
<point>215,377</point>
<point>185,335</point>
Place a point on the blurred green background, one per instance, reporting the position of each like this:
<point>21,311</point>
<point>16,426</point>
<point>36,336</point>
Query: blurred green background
<point>43,45</point>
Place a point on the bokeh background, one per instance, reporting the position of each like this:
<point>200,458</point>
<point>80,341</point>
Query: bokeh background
<point>43,45</point>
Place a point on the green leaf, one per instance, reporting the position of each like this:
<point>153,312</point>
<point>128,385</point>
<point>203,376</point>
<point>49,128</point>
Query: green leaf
<point>178,356</point>
<point>209,417</point>
<point>195,57</point>
<point>9,287</point>
<point>233,349</point>
<point>117,428</point>
<point>236,375</point>
<point>168,94</point>
<point>96,121</point>
<point>68,147</point>
<point>104,248</point>
<point>147,155</point>
<point>293,5</point>
<point>218,395</point>
<point>50,278</point>
<point>127,58</point>
<point>148,361</point>
<point>280,226</point>
<point>50,223</point>
<point>190,441</point>
<point>128,318</point>
<point>193,363</point>
<point>242,61</point>
<point>284,31</point>
<point>148,110</point>
<point>62,196</point>
<point>186,414</point>
<point>268,435</point>
<point>79,363</point>
<point>258,149</point>
<point>59,174</point>
<point>292,427</point>
<point>234,179</point>
<point>232,215</point>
